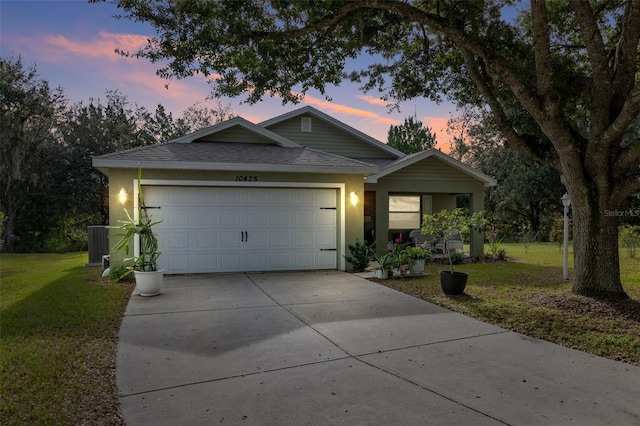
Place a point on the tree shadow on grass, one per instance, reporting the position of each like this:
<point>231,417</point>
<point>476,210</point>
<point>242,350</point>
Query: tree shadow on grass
<point>72,305</point>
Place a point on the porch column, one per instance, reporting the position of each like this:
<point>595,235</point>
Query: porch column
<point>382,221</point>
<point>477,238</point>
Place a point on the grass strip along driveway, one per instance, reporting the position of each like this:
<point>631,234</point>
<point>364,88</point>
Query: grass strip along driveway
<point>527,294</point>
<point>59,324</point>
<point>59,328</point>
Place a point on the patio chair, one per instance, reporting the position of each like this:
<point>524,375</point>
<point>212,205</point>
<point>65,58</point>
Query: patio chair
<point>426,241</point>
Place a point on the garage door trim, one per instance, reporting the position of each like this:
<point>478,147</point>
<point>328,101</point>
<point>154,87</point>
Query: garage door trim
<point>162,182</point>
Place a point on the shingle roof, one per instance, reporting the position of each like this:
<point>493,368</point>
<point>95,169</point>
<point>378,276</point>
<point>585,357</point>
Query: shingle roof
<point>216,153</point>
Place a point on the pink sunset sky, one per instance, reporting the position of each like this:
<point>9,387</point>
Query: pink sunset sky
<point>72,43</point>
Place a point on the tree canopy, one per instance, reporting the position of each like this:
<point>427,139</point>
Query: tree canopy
<point>561,78</point>
<point>50,192</point>
<point>411,136</point>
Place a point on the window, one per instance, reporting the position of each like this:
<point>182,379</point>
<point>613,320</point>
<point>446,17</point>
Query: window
<point>305,124</point>
<point>404,211</point>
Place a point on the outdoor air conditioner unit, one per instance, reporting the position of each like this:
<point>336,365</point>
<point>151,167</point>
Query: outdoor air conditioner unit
<point>98,244</point>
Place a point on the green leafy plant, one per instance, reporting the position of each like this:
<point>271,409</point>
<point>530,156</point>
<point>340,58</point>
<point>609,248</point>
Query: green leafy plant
<point>386,261</point>
<point>418,253</point>
<point>502,253</point>
<point>456,258</point>
<point>360,255</point>
<point>143,228</point>
<point>447,224</point>
<point>119,273</point>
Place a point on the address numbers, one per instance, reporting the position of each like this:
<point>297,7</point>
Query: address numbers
<point>240,178</point>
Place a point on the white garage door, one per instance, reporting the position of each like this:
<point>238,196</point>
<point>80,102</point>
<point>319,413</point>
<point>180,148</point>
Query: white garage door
<point>222,229</point>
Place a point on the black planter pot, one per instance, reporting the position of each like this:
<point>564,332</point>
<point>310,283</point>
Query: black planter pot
<point>453,283</point>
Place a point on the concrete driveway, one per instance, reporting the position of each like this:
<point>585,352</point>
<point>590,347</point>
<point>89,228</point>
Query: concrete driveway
<point>324,348</point>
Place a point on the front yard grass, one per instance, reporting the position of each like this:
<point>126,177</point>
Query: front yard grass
<point>59,324</point>
<point>59,328</point>
<point>527,294</point>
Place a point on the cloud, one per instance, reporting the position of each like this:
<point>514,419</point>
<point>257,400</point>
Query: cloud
<point>347,110</point>
<point>58,48</point>
<point>373,100</point>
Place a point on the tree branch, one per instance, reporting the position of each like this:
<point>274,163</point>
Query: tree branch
<point>542,47</point>
<point>628,113</point>
<point>601,94</point>
<point>514,139</point>
<point>624,69</point>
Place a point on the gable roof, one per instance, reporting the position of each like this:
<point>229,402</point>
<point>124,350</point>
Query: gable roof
<point>232,156</point>
<point>268,135</point>
<point>336,123</point>
<point>435,153</point>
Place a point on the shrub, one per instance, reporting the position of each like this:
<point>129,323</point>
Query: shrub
<point>502,253</point>
<point>360,256</point>
<point>630,238</point>
<point>456,258</point>
<point>120,272</point>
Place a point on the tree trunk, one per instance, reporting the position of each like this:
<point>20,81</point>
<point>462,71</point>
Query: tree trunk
<point>595,247</point>
<point>9,237</point>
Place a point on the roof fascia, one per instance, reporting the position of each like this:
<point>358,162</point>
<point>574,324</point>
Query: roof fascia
<point>336,123</point>
<point>415,158</point>
<point>105,164</point>
<point>237,121</point>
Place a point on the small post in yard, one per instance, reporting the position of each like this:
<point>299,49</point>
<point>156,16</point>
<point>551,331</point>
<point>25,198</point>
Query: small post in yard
<point>566,202</point>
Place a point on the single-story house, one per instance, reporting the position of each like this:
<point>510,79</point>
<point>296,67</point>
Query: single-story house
<point>290,193</point>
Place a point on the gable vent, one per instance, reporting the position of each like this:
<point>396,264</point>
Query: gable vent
<point>305,124</point>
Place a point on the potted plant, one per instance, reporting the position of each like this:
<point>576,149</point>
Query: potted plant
<point>386,263</point>
<point>403,260</point>
<point>418,257</point>
<point>148,277</point>
<point>446,224</point>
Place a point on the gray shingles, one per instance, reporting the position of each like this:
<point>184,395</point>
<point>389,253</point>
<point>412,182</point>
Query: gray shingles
<point>238,153</point>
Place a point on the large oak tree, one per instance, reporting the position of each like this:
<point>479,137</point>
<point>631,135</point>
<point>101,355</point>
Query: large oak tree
<point>561,78</point>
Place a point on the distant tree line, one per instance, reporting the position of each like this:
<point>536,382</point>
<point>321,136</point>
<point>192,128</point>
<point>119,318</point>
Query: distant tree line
<point>49,191</point>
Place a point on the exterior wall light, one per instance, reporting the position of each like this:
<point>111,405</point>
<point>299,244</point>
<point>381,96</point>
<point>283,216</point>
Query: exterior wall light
<point>354,198</point>
<point>122,196</point>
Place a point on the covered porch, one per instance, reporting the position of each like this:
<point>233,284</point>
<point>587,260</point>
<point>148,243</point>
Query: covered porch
<point>397,197</point>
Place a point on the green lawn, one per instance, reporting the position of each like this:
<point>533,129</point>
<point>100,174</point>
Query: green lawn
<point>59,323</point>
<point>528,295</point>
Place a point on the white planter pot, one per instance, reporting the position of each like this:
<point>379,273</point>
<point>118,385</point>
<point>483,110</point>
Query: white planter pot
<point>149,283</point>
<point>382,274</point>
<point>417,267</point>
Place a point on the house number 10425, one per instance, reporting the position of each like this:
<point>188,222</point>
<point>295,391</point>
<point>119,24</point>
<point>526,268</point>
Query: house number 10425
<point>240,178</point>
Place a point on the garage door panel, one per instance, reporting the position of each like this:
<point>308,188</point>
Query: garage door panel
<point>207,216</point>
<point>177,240</point>
<point>178,263</point>
<point>279,238</point>
<point>207,262</point>
<point>326,218</point>
<point>305,259</point>
<point>231,261</point>
<point>326,239</point>
<point>257,217</point>
<point>304,218</point>
<point>279,217</point>
<point>228,229</point>
<point>230,239</point>
<point>326,198</point>
<point>327,259</point>
<point>207,240</point>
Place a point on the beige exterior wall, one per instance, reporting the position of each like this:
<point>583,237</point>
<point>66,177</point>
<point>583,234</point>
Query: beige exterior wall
<point>353,229</point>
